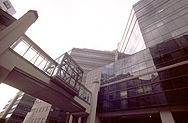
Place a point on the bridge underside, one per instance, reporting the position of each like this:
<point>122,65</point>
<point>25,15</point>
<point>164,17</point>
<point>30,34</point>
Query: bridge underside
<point>29,77</point>
<point>48,92</point>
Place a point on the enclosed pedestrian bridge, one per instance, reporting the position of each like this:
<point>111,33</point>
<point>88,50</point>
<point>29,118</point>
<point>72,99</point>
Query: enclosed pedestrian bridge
<point>25,66</point>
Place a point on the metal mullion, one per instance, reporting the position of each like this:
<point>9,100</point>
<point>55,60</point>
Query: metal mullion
<point>54,68</point>
<point>60,65</point>
<point>41,61</point>
<point>27,50</point>
<point>34,56</point>
<point>37,57</point>
<point>46,64</point>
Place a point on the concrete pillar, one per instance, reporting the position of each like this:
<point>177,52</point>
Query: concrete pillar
<point>79,119</point>
<point>166,115</point>
<point>95,88</point>
<point>10,34</point>
<point>70,119</point>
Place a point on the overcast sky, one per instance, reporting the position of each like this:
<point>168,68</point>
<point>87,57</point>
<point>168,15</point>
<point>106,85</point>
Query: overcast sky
<point>64,24</point>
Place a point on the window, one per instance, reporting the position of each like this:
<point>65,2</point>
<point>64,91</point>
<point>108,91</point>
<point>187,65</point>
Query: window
<point>171,26</point>
<point>179,22</point>
<point>157,87</point>
<point>155,33</point>
<point>123,94</point>
<point>32,120</point>
<point>4,19</point>
<point>19,97</point>
<point>42,121</point>
<point>36,120</point>
<point>47,108</point>
<point>183,95</point>
<point>8,115</point>
<point>43,109</point>
<point>179,82</point>
<point>167,85</point>
<point>132,103</point>
<point>39,120</point>
<point>172,97</point>
<point>7,4</point>
<point>36,109</point>
<point>14,106</point>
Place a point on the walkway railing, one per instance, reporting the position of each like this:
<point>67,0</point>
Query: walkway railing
<point>63,67</point>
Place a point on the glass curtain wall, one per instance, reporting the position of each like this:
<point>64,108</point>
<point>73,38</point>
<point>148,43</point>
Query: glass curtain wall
<point>162,20</point>
<point>132,40</point>
<point>138,82</point>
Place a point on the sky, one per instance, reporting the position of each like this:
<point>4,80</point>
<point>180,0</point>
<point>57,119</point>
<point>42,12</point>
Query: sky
<point>64,24</point>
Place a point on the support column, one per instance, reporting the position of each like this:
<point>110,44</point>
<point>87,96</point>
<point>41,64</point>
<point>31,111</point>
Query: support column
<point>166,115</point>
<point>79,119</point>
<point>70,119</point>
<point>10,34</point>
<point>95,88</point>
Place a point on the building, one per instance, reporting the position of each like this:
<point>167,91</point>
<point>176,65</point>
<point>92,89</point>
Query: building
<point>24,108</point>
<point>17,108</point>
<point>154,23</point>
<point>7,6</point>
<point>89,59</point>
<point>151,84</point>
<point>43,112</point>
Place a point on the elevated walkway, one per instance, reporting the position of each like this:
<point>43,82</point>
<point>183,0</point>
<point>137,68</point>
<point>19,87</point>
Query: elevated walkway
<point>27,67</point>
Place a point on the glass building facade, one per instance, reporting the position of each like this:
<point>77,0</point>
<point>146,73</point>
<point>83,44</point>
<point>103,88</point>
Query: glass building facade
<point>155,75</point>
<point>142,80</point>
<point>161,20</point>
<point>132,40</point>
<point>153,22</point>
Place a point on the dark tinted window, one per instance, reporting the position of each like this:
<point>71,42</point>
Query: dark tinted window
<point>182,42</point>
<point>155,51</point>
<point>179,82</point>
<point>163,74</point>
<point>184,69</point>
<point>157,87</point>
<point>163,48</point>
<point>183,95</point>
<point>172,45</point>
<point>167,85</point>
<point>174,72</point>
<point>172,97</point>
<point>4,19</point>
